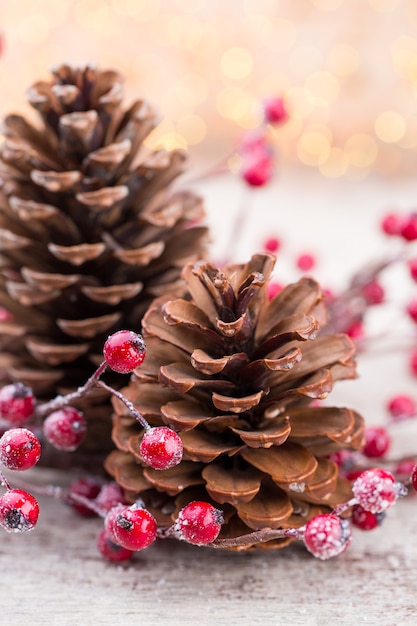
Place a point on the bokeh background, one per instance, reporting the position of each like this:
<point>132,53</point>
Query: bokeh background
<point>348,69</point>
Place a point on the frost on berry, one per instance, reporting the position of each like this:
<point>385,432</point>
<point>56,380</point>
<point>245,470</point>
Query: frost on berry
<point>19,449</point>
<point>65,429</point>
<point>161,448</point>
<point>17,404</point>
<point>131,527</point>
<point>199,523</point>
<point>110,550</point>
<point>376,490</point>
<point>124,351</point>
<point>365,520</point>
<point>327,535</point>
<point>413,477</point>
<point>109,497</point>
<point>19,511</point>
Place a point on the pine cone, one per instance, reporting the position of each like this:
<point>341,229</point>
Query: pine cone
<point>238,376</point>
<point>90,231</point>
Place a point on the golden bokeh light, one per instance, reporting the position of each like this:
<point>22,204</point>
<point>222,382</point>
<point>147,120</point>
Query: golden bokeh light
<point>390,127</point>
<point>193,128</point>
<point>336,164</point>
<point>236,63</point>
<point>313,147</point>
<point>361,150</point>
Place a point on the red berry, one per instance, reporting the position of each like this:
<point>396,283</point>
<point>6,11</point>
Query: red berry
<point>86,487</point>
<point>413,363</point>
<point>412,309</point>
<point>272,245</point>
<point>124,351</point>
<point>392,224</point>
<point>131,527</point>
<point>19,449</point>
<point>404,469</point>
<point>16,403</point>
<point>326,536</point>
<point>412,267</point>
<point>402,407</point>
<point>109,497</point>
<point>253,140</point>
<point>199,523</point>
<point>373,292</point>
<point>275,111</point>
<point>19,511</point>
<point>257,167</point>
<point>376,490</point>
<point>356,330</point>
<point>413,477</point>
<point>305,262</point>
<point>377,441</point>
<point>365,520</point>
<point>111,551</point>
<point>273,290</point>
<point>65,428</point>
<point>409,228</point>
<point>161,448</point>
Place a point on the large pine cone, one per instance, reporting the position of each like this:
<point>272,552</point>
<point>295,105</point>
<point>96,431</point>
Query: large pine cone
<point>90,232</point>
<point>239,376</point>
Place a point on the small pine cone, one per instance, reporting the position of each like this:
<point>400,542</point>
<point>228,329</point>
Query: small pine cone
<point>90,231</point>
<point>239,377</point>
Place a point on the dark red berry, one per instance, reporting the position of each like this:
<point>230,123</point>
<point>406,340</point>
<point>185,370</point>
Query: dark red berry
<point>257,167</point>
<point>376,490</point>
<point>392,224</point>
<point>199,523</point>
<point>124,351</point>
<point>111,551</point>
<point>17,404</point>
<point>161,448</point>
<point>132,528</point>
<point>86,487</point>
<point>412,268</point>
<point>413,363</point>
<point>327,535</point>
<point>373,292</point>
<point>365,520</point>
<point>19,449</point>
<point>402,407</point>
<point>412,309</point>
<point>377,441</point>
<point>305,262</point>
<point>356,330</point>
<point>19,511</point>
<point>409,227</point>
<point>110,496</point>
<point>275,111</point>
<point>65,429</point>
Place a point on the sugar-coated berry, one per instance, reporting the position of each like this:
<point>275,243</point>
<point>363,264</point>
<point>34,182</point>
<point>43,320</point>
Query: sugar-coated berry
<point>199,523</point>
<point>392,224</point>
<point>377,442</point>
<point>20,449</point>
<point>110,550</point>
<point>373,292</point>
<point>85,487</point>
<point>305,262</point>
<point>110,496</point>
<point>376,490</point>
<point>124,351</point>
<point>132,528</point>
<point>365,520</point>
<point>327,535</point>
<point>412,268</point>
<point>19,511</point>
<point>275,111</point>
<point>402,407</point>
<point>409,228</point>
<point>161,448</point>
<point>65,428</point>
<point>413,477</point>
<point>17,404</point>
<point>256,167</point>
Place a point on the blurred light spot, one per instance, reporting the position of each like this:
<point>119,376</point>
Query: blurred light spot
<point>361,150</point>
<point>236,63</point>
<point>383,5</point>
<point>390,127</point>
<point>324,87</point>
<point>235,104</point>
<point>404,57</point>
<point>343,60</point>
<point>142,10</point>
<point>234,163</point>
<point>300,101</point>
<point>193,128</point>
<point>327,5</point>
<point>335,165</point>
<point>313,148</point>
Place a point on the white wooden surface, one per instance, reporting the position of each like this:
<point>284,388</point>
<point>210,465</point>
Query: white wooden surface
<point>54,575</point>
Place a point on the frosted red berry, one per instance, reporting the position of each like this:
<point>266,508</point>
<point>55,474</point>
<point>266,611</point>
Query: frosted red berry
<point>85,487</point>
<point>199,523</point>
<point>65,429</point>
<point>305,262</point>
<point>409,228</point>
<point>402,407</point>
<point>377,442</point>
<point>161,448</point>
<point>327,535</point>
<point>376,490</point>
<point>109,497</point>
<point>20,449</point>
<point>373,292</point>
<point>111,551</point>
<point>392,224</point>
<point>124,351</point>
<point>275,111</point>
<point>356,330</point>
<point>131,527</point>
<point>17,404</point>
<point>257,167</point>
<point>19,511</point>
<point>365,520</point>
<point>413,477</point>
